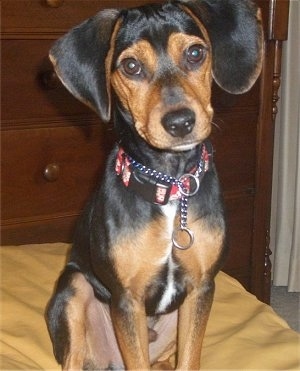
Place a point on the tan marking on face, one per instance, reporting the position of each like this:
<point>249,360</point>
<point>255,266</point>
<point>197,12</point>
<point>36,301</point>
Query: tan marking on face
<point>143,97</point>
<point>132,93</point>
<point>135,94</point>
<point>108,62</point>
<point>139,258</point>
<point>143,52</point>
<point>196,85</point>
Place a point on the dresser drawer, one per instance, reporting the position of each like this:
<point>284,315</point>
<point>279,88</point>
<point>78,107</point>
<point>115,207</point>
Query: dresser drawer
<point>50,172</point>
<point>31,88</point>
<point>54,16</point>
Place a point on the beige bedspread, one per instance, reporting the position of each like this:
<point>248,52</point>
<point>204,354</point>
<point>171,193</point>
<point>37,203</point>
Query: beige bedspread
<point>242,332</point>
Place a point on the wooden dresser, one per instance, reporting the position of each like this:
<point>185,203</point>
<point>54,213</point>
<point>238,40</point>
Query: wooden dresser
<point>54,148</point>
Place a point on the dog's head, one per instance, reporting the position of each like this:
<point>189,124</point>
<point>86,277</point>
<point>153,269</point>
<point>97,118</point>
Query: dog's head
<point>156,63</point>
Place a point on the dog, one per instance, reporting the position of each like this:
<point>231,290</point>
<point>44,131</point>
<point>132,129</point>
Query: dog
<point>139,282</point>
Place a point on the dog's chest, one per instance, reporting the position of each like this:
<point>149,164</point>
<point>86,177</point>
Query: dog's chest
<point>167,286</point>
<point>146,264</point>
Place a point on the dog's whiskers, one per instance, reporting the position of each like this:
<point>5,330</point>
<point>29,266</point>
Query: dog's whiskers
<point>216,125</point>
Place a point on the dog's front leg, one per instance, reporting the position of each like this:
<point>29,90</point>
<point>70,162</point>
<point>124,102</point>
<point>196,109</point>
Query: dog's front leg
<point>130,323</point>
<point>193,316</point>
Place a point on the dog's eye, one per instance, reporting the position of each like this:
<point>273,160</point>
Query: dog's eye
<point>131,67</point>
<point>195,54</point>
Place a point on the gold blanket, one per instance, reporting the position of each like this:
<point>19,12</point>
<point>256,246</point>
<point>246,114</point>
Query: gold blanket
<point>242,332</point>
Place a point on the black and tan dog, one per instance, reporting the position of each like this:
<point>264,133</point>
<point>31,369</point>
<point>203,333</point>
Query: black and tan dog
<point>152,238</point>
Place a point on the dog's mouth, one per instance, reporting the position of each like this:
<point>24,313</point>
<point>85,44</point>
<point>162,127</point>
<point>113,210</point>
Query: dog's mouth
<point>179,139</point>
<point>169,143</point>
<point>185,147</point>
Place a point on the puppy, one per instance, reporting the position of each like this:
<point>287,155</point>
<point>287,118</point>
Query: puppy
<point>139,282</point>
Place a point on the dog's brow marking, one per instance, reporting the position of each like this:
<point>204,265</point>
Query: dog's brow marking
<point>179,42</point>
<point>142,51</point>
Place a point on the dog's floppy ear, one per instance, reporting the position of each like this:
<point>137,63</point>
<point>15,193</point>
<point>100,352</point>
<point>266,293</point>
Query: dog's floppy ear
<point>236,34</point>
<point>80,61</point>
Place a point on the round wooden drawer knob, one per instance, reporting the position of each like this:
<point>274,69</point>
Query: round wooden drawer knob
<point>54,3</point>
<point>51,172</point>
<point>49,79</point>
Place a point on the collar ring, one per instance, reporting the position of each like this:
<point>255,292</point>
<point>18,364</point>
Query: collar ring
<point>186,191</point>
<point>188,233</point>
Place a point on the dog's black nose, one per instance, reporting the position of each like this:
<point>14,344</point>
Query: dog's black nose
<point>179,123</point>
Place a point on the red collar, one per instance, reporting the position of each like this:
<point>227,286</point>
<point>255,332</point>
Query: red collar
<point>157,187</point>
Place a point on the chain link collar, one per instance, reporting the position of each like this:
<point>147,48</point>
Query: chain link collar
<point>160,188</point>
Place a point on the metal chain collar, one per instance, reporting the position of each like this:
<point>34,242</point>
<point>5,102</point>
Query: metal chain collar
<point>185,191</point>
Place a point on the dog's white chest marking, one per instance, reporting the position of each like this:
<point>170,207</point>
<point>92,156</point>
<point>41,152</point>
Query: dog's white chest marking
<point>170,212</point>
<point>170,290</point>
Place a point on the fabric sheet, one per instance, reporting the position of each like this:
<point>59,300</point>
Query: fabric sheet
<point>242,332</point>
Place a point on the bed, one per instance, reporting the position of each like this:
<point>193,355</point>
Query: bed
<point>243,333</point>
